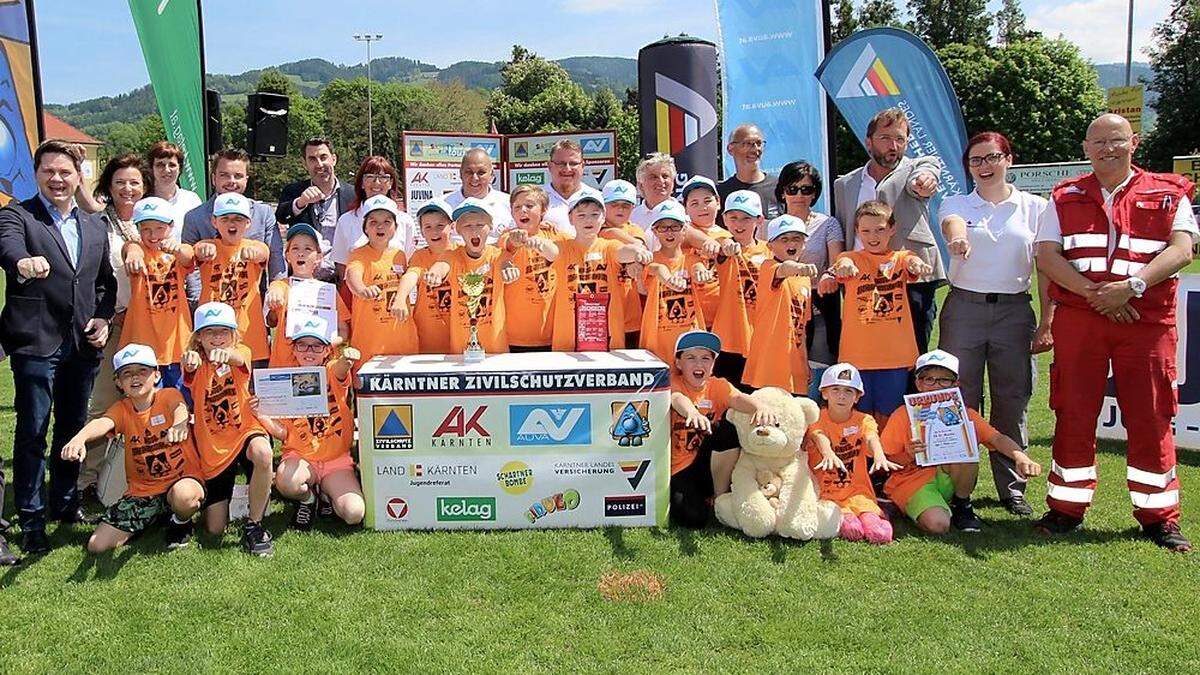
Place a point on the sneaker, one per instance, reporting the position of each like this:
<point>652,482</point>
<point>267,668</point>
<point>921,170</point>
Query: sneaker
<point>179,535</point>
<point>324,506</point>
<point>1168,536</point>
<point>256,540</point>
<point>1055,523</point>
<point>302,517</point>
<point>1017,506</point>
<point>962,516</point>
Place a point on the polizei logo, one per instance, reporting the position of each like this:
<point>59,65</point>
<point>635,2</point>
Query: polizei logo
<point>565,424</point>
<point>466,509</point>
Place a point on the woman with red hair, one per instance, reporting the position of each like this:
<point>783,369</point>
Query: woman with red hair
<point>987,319</point>
<point>376,176</point>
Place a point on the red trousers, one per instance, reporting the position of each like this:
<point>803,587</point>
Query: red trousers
<point>1143,366</point>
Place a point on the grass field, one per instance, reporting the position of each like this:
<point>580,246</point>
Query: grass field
<point>335,599</point>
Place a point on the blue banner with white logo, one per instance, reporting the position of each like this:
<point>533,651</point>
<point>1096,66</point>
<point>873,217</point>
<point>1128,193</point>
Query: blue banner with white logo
<point>881,68</point>
<point>770,49</point>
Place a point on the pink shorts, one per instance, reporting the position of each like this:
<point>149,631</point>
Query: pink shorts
<point>322,469</point>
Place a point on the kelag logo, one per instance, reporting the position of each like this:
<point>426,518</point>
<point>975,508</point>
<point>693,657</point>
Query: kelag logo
<point>393,427</point>
<point>530,178</point>
<point>564,424</point>
<point>466,509</point>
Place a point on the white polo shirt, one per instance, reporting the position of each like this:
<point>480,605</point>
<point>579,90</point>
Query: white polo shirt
<point>1049,228</point>
<point>558,212</point>
<point>1001,237</point>
<point>496,203</point>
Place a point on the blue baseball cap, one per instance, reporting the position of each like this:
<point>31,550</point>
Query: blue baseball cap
<point>746,201</point>
<point>697,182</point>
<point>698,338</point>
<point>153,208</point>
<point>619,191</point>
<point>781,225</point>
<point>436,206</point>
<point>215,314</point>
<point>231,203</point>
<point>302,228</point>
<point>471,205</point>
<point>585,194</point>
<point>668,209</point>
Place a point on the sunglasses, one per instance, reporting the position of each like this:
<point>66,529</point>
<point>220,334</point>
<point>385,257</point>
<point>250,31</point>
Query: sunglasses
<point>806,190</point>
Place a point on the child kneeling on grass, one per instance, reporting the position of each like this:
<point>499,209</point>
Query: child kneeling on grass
<point>938,498</point>
<point>228,436</point>
<point>700,467</point>
<point>161,465</point>
<point>316,449</point>
<point>838,444</point>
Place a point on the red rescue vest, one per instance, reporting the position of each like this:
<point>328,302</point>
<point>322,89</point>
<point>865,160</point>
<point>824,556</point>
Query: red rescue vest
<point>1142,216</point>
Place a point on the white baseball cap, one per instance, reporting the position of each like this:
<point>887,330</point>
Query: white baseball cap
<point>380,203</point>
<point>746,201</point>
<point>215,314</point>
<point>842,374</point>
<point>585,194</point>
<point>134,354</point>
<point>472,205</point>
<point>939,358</point>
<point>153,208</point>
<point>697,182</point>
<point>231,203</point>
<point>781,225</point>
<point>315,327</point>
<point>668,209</point>
<point>619,191</point>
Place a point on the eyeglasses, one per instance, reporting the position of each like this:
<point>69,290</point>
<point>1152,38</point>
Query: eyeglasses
<point>308,348</point>
<point>751,144</point>
<point>806,190</point>
<point>1101,144</point>
<point>376,178</point>
<point>569,165</point>
<point>677,227</point>
<point>990,158</point>
<point>943,382</point>
<point>884,138</point>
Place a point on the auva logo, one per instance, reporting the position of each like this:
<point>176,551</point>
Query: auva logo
<point>466,509</point>
<point>595,146</point>
<point>562,424</point>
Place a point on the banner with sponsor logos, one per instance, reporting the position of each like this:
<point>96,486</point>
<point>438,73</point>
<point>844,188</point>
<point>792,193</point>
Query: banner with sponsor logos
<point>527,157</point>
<point>432,160</point>
<point>771,50</point>
<point>1040,179</point>
<point>881,68</point>
<point>1187,166</point>
<point>1187,421</point>
<point>517,441</point>
<point>20,100</point>
<point>677,105</point>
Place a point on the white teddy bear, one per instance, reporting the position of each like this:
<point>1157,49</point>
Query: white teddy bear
<point>773,491</point>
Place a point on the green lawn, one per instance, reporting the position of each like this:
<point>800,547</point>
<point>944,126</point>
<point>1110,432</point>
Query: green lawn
<point>1004,600</point>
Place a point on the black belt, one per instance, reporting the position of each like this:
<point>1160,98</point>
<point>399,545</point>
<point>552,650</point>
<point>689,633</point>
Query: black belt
<point>992,298</point>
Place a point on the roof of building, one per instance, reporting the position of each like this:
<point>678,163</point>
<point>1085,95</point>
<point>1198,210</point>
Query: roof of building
<point>56,128</point>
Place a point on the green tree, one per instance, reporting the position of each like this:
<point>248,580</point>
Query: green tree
<point>537,95</point>
<point>1010,24</point>
<point>1175,59</point>
<point>125,137</point>
<point>945,22</point>
<point>844,23</point>
<point>874,13</point>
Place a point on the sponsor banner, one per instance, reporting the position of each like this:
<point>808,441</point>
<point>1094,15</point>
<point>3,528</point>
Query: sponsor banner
<point>527,157</point>
<point>514,381</point>
<point>20,101</point>
<point>1187,420</point>
<point>771,50</point>
<point>1128,102</point>
<point>1040,179</point>
<point>1188,166</point>
<point>431,163</point>
<point>677,106</point>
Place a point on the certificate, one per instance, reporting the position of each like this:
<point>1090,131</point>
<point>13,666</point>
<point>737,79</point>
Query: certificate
<point>291,392</point>
<point>309,298</point>
<point>940,419</point>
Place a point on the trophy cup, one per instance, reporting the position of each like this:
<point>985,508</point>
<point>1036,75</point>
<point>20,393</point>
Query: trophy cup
<point>472,285</point>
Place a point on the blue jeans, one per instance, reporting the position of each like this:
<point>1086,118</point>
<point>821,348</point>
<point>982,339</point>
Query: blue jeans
<point>63,381</point>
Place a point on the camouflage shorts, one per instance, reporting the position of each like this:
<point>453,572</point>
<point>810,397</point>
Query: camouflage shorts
<point>135,514</point>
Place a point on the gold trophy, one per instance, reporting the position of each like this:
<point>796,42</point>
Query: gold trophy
<point>472,285</point>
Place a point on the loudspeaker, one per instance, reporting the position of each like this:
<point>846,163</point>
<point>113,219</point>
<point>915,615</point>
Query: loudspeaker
<point>267,124</point>
<point>212,120</point>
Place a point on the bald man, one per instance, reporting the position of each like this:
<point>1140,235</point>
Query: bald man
<point>476,173</point>
<point>746,145</point>
<point>1111,242</point>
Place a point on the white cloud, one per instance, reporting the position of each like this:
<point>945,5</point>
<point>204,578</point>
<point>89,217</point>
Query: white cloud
<point>601,6</point>
<point>1098,26</point>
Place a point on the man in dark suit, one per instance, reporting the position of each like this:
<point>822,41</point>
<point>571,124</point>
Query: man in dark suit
<point>318,201</point>
<point>59,298</point>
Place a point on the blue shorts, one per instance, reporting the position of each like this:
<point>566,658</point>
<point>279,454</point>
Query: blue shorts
<point>884,390</point>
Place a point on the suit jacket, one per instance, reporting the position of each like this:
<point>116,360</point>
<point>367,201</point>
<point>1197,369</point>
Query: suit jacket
<point>197,225</point>
<point>911,212</point>
<point>283,213</point>
<point>39,314</point>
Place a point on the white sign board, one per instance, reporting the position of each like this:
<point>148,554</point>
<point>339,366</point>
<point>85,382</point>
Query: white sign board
<point>540,440</point>
<point>1040,179</point>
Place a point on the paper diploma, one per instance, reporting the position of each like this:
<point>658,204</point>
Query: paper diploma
<point>291,392</point>
<point>308,298</point>
<point>940,419</point>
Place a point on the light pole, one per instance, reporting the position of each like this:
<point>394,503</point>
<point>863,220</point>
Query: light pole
<point>369,38</point>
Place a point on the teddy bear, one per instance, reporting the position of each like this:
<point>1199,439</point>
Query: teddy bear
<point>758,504</point>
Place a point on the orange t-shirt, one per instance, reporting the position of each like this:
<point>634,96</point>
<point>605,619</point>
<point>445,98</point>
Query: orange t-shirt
<point>710,292</point>
<point>281,347</point>
<point>668,312</point>
<point>877,326</point>
<point>373,327</point>
<point>712,400</point>
<point>152,463</point>
<point>528,299</point>
<point>322,438</point>
<point>158,313</point>
<point>591,270</point>
<point>431,306</point>
<point>490,320</point>
<point>904,483</point>
<point>849,441</point>
<point>223,421</point>
<point>779,348</point>
<point>237,285</point>
<point>630,298</point>
<point>737,309</point>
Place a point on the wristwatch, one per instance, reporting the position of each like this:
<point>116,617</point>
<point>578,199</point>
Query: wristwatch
<point>1137,285</point>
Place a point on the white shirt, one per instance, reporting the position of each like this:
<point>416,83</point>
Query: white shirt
<point>496,202</point>
<point>349,235</point>
<point>558,212</point>
<point>868,190</point>
<point>1049,228</point>
<point>1001,237</point>
<point>183,201</point>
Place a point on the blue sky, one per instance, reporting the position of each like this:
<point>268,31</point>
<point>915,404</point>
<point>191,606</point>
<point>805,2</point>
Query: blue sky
<point>89,48</point>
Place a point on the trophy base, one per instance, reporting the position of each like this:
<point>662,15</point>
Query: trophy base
<point>474,355</point>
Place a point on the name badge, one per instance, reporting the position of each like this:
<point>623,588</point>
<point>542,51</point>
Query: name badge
<point>157,420</point>
<point>594,256</point>
<point>704,404</point>
<point>849,431</point>
<point>758,259</point>
<point>223,370</point>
